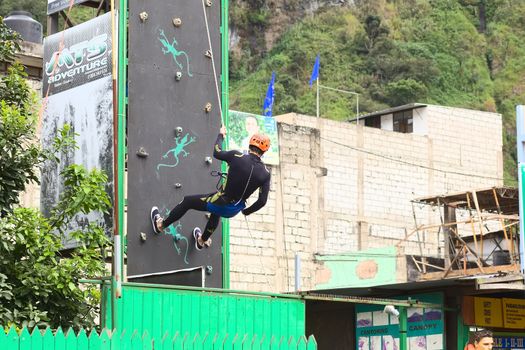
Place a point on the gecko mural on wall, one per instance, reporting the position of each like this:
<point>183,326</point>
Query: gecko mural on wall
<point>175,152</point>
<point>169,49</point>
<point>175,231</point>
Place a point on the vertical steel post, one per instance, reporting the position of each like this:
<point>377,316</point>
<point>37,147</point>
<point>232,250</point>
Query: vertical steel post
<point>297,272</point>
<point>520,139</point>
<point>403,345</point>
<point>225,117</point>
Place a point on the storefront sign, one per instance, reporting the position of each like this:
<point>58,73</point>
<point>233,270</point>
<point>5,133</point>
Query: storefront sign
<point>487,312</point>
<point>376,330</point>
<point>501,342</point>
<point>514,313</point>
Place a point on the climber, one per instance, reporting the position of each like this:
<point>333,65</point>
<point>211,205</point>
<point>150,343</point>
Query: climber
<point>246,173</point>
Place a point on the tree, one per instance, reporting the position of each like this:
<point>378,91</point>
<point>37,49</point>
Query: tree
<point>38,285</point>
<point>18,152</point>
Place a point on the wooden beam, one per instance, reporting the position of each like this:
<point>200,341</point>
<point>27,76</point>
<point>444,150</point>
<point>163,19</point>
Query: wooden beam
<point>513,286</point>
<point>471,272</point>
<point>508,278</point>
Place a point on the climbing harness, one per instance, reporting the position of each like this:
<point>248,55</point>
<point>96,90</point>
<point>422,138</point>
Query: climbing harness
<point>221,176</point>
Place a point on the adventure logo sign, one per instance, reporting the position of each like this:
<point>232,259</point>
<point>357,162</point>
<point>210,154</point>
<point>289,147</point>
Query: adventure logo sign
<point>82,58</point>
<point>85,55</point>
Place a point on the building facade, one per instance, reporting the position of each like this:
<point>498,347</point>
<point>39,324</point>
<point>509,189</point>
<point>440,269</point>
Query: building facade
<point>341,196</point>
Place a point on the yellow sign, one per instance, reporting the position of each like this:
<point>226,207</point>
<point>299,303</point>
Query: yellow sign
<point>514,313</point>
<point>487,312</point>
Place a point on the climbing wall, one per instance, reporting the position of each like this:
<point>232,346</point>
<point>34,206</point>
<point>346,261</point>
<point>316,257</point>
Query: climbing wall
<point>173,121</point>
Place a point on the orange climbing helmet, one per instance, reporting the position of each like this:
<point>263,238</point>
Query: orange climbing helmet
<point>260,141</point>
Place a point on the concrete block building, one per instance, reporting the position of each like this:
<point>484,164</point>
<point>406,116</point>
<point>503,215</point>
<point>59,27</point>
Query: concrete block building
<point>341,195</point>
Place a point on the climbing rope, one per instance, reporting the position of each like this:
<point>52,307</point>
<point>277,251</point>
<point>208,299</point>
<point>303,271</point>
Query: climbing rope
<point>213,62</point>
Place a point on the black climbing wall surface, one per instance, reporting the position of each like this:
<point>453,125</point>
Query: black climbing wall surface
<point>167,41</point>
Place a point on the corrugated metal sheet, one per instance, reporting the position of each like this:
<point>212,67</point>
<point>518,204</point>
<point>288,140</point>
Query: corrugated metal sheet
<point>159,310</point>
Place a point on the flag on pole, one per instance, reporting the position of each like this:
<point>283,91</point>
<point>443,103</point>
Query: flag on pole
<point>315,71</point>
<point>268,101</point>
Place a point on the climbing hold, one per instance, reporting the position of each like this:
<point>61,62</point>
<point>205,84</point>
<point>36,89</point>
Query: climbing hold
<point>208,53</point>
<point>209,269</point>
<point>178,76</point>
<point>207,108</point>
<point>143,16</point>
<point>178,131</point>
<point>208,160</point>
<point>178,185</point>
<point>143,236</point>
<point>177,22</point>
<point>209,3</point>
<point>207,215</point>
<point>142,152</point>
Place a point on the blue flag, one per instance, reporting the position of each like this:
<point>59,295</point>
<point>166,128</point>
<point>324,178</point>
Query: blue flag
<point>268,101</point>
<point>315,71</point>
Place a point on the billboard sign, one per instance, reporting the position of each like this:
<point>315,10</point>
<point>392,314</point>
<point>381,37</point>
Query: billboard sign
<point>54,6</point>
<point>79,89</point>
<point>243,125</point>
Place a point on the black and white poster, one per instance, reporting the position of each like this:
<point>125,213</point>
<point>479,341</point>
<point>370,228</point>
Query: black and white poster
<point>79,89</point>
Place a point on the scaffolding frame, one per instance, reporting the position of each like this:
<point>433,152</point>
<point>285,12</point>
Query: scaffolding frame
<point>495,206</point>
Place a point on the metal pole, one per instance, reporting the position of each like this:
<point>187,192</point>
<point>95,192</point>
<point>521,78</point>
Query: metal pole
<point>520,131</point>
<point>403,328</point>
<point>521,169</point>
<point>297,272</point>
<point>225,117</point>
<point>343,91</point>
<point>317,105</point>
<point>357,108</point>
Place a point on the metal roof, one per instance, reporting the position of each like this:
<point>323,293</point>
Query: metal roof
<point>389,110</point>
<point>464,285</point>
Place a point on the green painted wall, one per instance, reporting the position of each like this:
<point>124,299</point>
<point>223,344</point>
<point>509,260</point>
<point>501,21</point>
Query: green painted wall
<point>358,269</point>
<point>159,309</point>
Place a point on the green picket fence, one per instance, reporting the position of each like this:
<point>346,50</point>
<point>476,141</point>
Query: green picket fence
<point>107,340</point>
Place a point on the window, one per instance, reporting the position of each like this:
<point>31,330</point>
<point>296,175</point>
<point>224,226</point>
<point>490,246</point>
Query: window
<point>373,122</point>
<point>403,122</point>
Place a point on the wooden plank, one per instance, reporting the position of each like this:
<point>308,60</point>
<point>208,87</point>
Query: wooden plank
<point>509,278</point>
<point>471,272</point>
<point>25,340</point>
<point>48,341</point>
<point>513,286</point>
<point>12,339</point>
<point>82,340</point>
<point>71,342</point>
<point>312,343</point>
<point>478,210</point>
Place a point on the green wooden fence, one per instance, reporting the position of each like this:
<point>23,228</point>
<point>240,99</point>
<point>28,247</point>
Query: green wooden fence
<point>107,340</point>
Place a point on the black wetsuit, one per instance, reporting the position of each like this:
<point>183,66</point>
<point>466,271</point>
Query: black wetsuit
<point>246,173</point>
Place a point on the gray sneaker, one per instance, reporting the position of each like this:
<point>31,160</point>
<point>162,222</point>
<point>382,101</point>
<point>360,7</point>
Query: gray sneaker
<point>197,233</point>
<point>155,216</point>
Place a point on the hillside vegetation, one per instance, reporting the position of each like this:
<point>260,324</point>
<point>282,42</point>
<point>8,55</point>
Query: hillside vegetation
<point>456,53</point>
<point>462,53</point>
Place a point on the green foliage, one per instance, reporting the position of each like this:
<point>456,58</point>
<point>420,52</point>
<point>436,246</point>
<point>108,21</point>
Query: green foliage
<point>39,287</point>
<point>9,43</point>
<point>19,154</point>
<point>463,53</point>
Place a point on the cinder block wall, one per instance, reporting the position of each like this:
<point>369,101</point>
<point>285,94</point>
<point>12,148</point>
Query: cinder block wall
<point>342,188</point>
